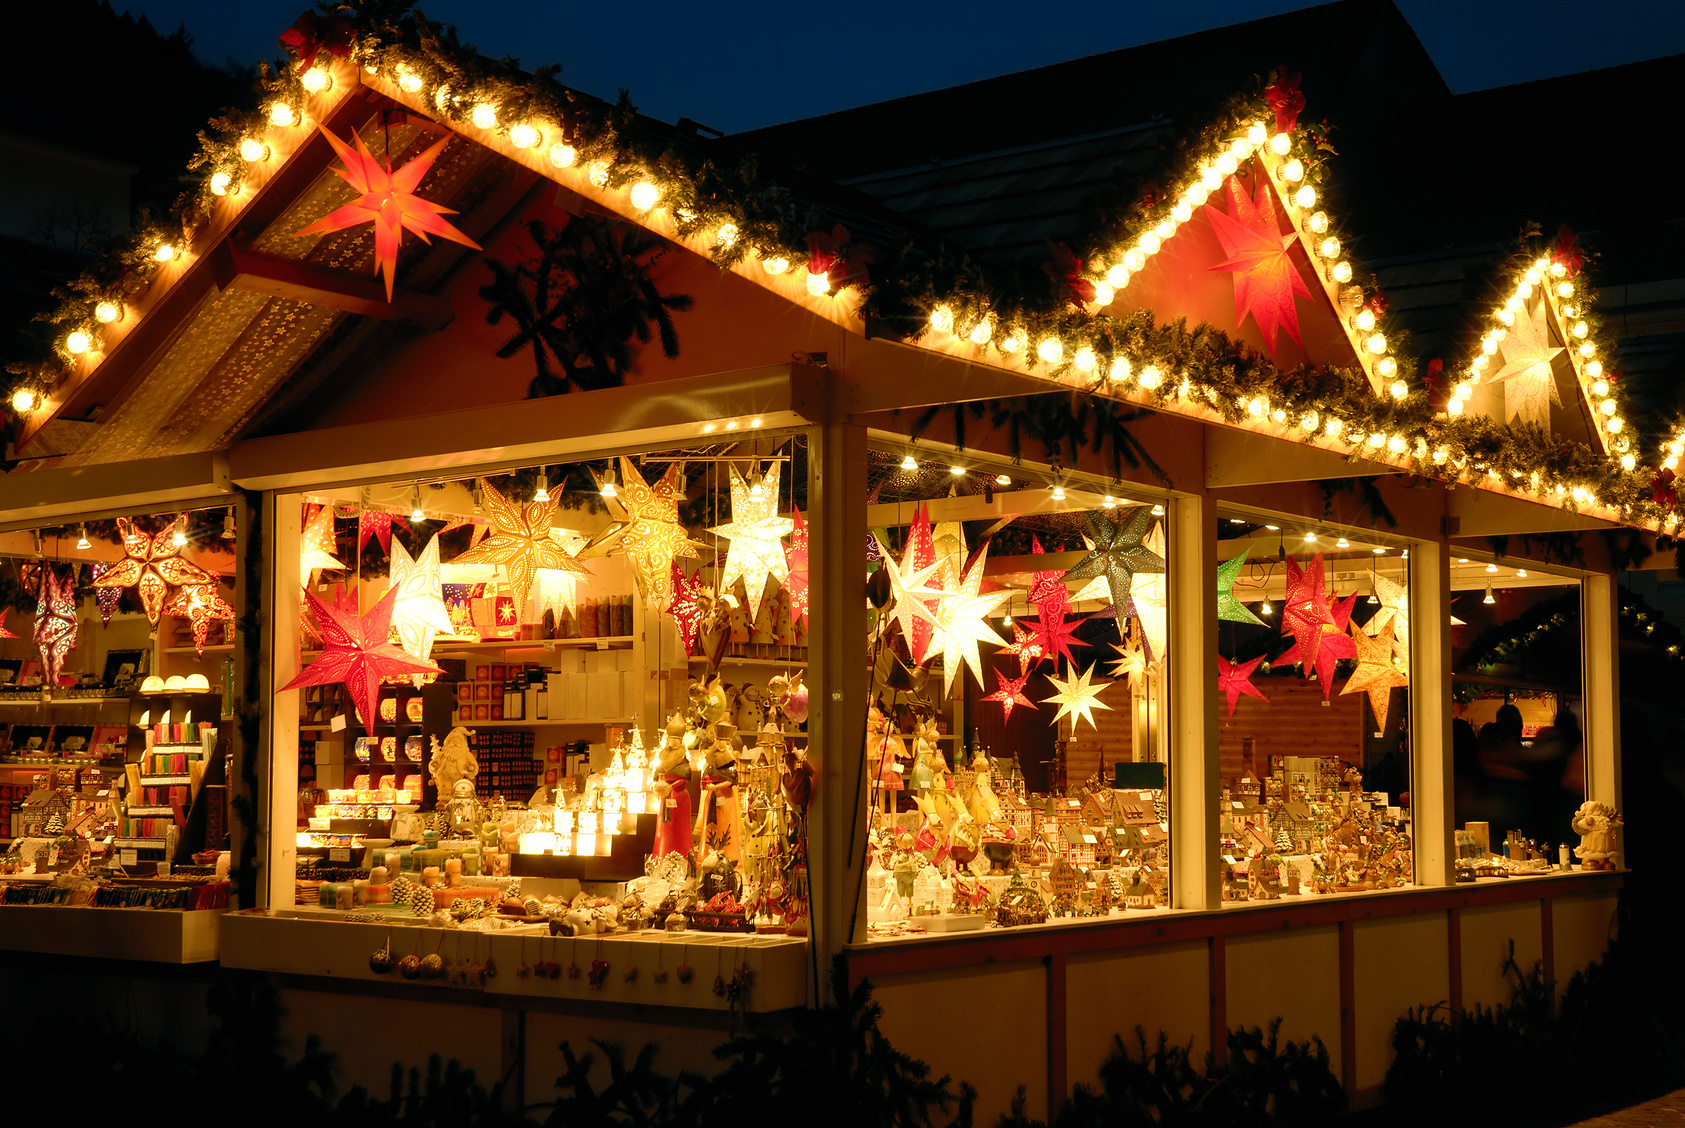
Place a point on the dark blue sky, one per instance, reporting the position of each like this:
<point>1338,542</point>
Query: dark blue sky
<point>738,66</point>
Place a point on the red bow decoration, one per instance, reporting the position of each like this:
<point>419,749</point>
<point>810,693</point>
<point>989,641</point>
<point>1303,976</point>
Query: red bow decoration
<point>1661,489</point>
<point>310,35</point>
<point>1377,304</point>
<point>1150,194</point>
<point>1284,98</point>
<point>1434,382</point>
<point>837,256</point>
<point>1066,272</point>
<point>1568,251</point>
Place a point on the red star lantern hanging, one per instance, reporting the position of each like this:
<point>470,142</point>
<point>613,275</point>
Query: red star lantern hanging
<point>55,621</point>
<point>200,605</point>
<point>795,559</point>
<point>1052,599</point>
<point>356,651</point>
<point>4,633</point>
<point>107,597</point>
<point>1026,647</point>
<point>918,554</point>
<point>1316,622</point>
<point>388,200</point>
<point>152,566</point>
<point>1235,678</point>
<point>686,607</point>
<point>1265,279</point>
<point>376,523</point>
<point>1010,693</point>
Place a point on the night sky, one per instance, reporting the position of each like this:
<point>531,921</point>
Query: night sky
<point>744,65</point>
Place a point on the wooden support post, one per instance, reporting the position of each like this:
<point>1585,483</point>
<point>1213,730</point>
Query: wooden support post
<point>1432,785</point>
<point>1192,674</point>
<point>1600,655</point>
<point>282,531</point>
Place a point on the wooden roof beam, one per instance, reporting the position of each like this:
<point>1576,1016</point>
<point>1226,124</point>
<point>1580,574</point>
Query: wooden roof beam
<point>237,268</point>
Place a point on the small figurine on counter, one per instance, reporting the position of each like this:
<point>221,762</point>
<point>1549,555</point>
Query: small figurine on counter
<point>885,748</point>
<point>1597,824</point>
<point>718,811</point>
<point>452,761</point>
<point>672,786</point>
<point>464,811</point>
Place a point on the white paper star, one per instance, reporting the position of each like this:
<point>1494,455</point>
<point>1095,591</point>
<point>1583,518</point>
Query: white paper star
<point>1077,698</point>
<point>316,544</point>
<point>559,590</point>
<point>418,612</point>
<point>960,625</point>
<point>1528,373</point>
<point>1131,663</point>
<point>1148,601</point>
<point>1395,609</point>
<point>908,596</point>
<point>756,532</point>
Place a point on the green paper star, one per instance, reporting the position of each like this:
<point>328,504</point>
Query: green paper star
<point>1118,552</point>
<point>1229,608</point>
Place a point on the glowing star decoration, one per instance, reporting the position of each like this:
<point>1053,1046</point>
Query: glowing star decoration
<point>1528,373</point>
<point>1316,622</point>
<point>1375,673</point>
<point>1265,279</point>
<point>1395,610</point>
<point>647,531</point>
<point>1010,694</point>
<point>910,602</point>
<point>1230,609</point>
<point>795,563</point>
<point>1052,600</point>
<point>152,566</point>
<point>961,624</point>
<point>418,612</point>
<point>1025,646</point>
<point>686,607</point>
<point>1131,662</point>
<point>387,199</point>
<point>1149,603</point>
<point>55,621</point>
<point>558,590</point>
<point>201,605</point>
<point>917,554</point>
<point>756,533</point>
<point>521,540</point>
<point>1118,552</point>
<point>1077,697</point>
<point>108,598</point>
<point>376,523</point>
<point>317,544</point>
<point>1235,678</point>
<point>4,633</point>
<point>356,651</point>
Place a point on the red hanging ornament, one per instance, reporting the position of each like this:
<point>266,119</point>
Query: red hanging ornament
<point>1662,489</point>
<point>311,35</point>
<point>1010,693</point>
<point>836,255</point>
<point>1066,272</point>
<point>1568,251</point>
<point>1235,678</point>
<point>795,560</point>
<point>1285,100</point>
<point>686,608</point>
<point>356,650</point>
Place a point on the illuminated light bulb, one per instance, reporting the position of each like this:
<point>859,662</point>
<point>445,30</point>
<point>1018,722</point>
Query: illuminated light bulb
<point>1134,259</point>
<point>316,80</point>
<point>598,174</point>
<point>82,538</point>
<point>179,537</point>
<point>1318,222</point>
<point>1118,276</point>
<point>108,311</point>
<point>543,491</point>
<point>1150,243</point>
<point>220,182</point>
<point>1182,212</point>
<point>1120,370</point>
<point>957,470</point>
<point>1310,421</point>
<point>416,513</point>
<point>1158,511</point>
<point>1489,597</point>
<point>1293,171</point>
<point>1480,361</point>
<point>1524,291</point>
<point>1310,537</point>
<point>282,115</point>
<point>1594,369</point>
<point>1628,461</point>
<point>1615,424</point>
<point>1588,350</point>
<point>1376,439</point>
<point>525,136</point>
<point>1557,269</point>
<point>1241,148</point>
<point>1332,427</point>
<point>1521,573</point>
<point>1506,317</point>
<point>77,342</point>
<point>1564,289</point>
<point>1607,407</point>
<point>1050,350</point>
<point>1256,134</point>
<point>1264,608</point>
<point>1533,276</point>
<point>1280,143</point>
<point>1151,377</point>
<point>1386,367</point>
<point>1329,248</point>
<point>1454,406</point>
<point>1016,341</point>
<point>1399,388</point>
<point>24,400</point>
<point>1103,295</point>
<point>1305,197</point>
<point>252,150</point>
<point>1197,194</point>
<point>1257,408</point>
<point>1377,344</point>
<point>1083,359</point>
<point>1489,345</point>
<point>644,195</point>
<point>1165,229</point>
<point>1365,320</point>
<point>408,81</point>
<point>942,319</point>
<point>608,488</point>
<point>909,463</point>
<point>1491,567</point>
<point>484,116</point>
<point>1342,272</point>
<point>1379,551</point>
<point>1227,164</point>
<point>1003,479</point>
<point>1108,502</point>
<point>1396,444</point>
<point>776,265</point>
<point>981,332</point>
<point>1058,493</point>
<point>562,154</point>
<point>1278,416</point>
<point>1581,329</point>
<point>1342,542</point>
<point>1211,179</point>
<point>818,284</point>
<point>1671,462</point>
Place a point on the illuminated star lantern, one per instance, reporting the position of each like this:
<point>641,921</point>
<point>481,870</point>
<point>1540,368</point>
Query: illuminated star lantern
<point>1395,609</point>
<point>201,605</point>
<point>1131,662</point>
<point>1265,279</point>
<point>686,607</point>
<point>356,651</point>
<point>419,612</point>
<point>55,621</point>
<point>1052,600</point>
<point>1235,678</point>
<point>1528,373</point>
<point>387,199</point>
<point>1316,622</point>
<point>1118,552</point>
<point>1026,647</point>
<point>4,633</point>
<point>317,544</point>
<point>756,533</point>
<point>910,601</point>
<point>376,523</point>
<point>558,590</point>
<point>1149,603</point>
<point>521,540</point>
<point>1077,698</point>
<point>108,598</point>
<point>152,566</point>
<point>962,624</point>
<point>1230,609</point>
<point>1010,693</point>
<point>795,562</point>
<point>917,554</point>
<point>1375,673</point>
<point>647,531</point>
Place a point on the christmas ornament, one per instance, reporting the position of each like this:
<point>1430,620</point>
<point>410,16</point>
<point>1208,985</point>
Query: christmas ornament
<point>795,564</point>
<point>686,607</point>
<point>1010,693</point>
<point>1052,599</point>
<point>908,596</point>
<point>317,544</point>
<point>1235,678</point>
<point>1056,636</point>
<point>200,605</point>
<point>1375,674</point>
<point>1285,100</point>
<point>962,623</point>
<point>1149,603</point>
<point>1265,279</point>
<point>355,651</point>
<point>1025,646</point>
<point>152,566</point>
<point>646,531</point>
<point>107,597</point>
<point>377,523</point>
<point>418,611</point>
<point>1230,609</point>
<point>1528,373</point>
<point>1118,552</point>
<point>55,621</point>
<point>1395,609</point>
<point>387,199</point>
<point>756,533</point>
<point>4,611</point>
<point>1077,697</point>
<point>521,540</point>
<point>920,553</point>
<point>1316,622</point>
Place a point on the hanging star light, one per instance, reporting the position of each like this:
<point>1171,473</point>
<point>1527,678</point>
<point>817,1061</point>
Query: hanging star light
<point>1316,621</point>
<point>152,565</point>
<point>558,590</point>
<point>317,544</point>
<point>1149,603</point>
<point>962,623</point>
<point>356,651</point>
<point>1131,662</point>
<point>201,605</point>
<point>1528,373</point>
<point>1265,279</point>
<point>647,531</point>
<point>1010,694</point>
<point>1235,678</point>
<point>1375,674</point>
<point>418,612</point>
<point>1025,646</point>
<point>4,633</point>
<point>1395,609</point>
<point>1230,609</point>
<point>686,606</point>
<point>917,554</point>
<point>1077,698</point>
<point>910,602</point>
<point>795,563</point>
<point>1052,599</point>
<point>55,621</point>
<point>387,199</point>
<point>377,523</point>
<point>756,533</point>
<point>1118,551</point>
<point>108,598</point>
<point>521,540</point>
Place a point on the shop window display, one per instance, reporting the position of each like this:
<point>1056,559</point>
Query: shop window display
<point>1015,757</point>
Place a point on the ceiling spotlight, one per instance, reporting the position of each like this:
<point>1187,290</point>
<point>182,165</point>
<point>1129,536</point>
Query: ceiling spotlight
<point>1342,543</point>
<point>228,524</point>
<point>1489,597</point>
<point>1003,479</point>
<point>1373,598</point>
<point>957,471</point>
<point>1158,511</point>
<point>1310,537</point>
<point>1273,528</point>
<point>543,493</point>
<point>1108,502</point>
<point>415,503</point>
<point>1265,608</point>
<point>608,489</point>
<point>1058,489</point>
<point>1462,560</point>
<point>180,537</point>
<point>1491,567</point>
<point>82,540</point>
<point>1379,551</point>
<point>1237,520</point>
<point>1521,573</point>
<point>908,463</point>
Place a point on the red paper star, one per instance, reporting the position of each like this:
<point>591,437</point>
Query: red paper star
<point>1026,646</point>
<point>55,621</point>
<point>200,605</point>
<point>1010,693</point>
<point>917,554</point>
<point>795,559</point>
<point>152,566</point>
<point>355,651</point>
<point>1235,678</point>
<point>1265,279</point>
<point>1305,608</point>
<point>685,609</point>
<point>376,523</point>
<point>1052,598</point>
<point>388,200</point>
<point>108,597</point>
<point>4,633</point>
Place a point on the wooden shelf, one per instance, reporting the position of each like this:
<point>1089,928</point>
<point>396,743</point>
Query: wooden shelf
<point>69,702</point>
<point>601,642</point>
<point>730,661</point>
<point>212,648</point>
<point>56,762</point>
<point>541,724</point>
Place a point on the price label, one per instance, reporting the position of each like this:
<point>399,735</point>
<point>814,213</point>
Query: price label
<point>128,857</point>
<point>899,767</point>
<point>337,724</point>
<point>339,853</point>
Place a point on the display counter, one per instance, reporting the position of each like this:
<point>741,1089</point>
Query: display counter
<point>174,936</point>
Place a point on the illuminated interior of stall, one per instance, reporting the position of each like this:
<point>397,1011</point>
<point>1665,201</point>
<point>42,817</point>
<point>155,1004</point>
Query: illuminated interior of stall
<point>1015,758</point>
